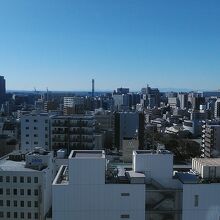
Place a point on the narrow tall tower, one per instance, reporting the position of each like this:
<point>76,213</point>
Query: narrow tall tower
<point>93,87</point>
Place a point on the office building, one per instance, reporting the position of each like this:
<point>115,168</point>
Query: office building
<point>183,100</point>
<point>25,184</point>
<point>73,105</point>
<point>129,125</point>
<point>151,97</point>
<point>35,131</point>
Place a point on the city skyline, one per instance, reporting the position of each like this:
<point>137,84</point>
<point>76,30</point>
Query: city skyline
<point>64,45</point>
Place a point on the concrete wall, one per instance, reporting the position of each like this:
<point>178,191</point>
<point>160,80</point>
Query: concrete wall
<point>208,201</point>
<point>83,202</point>
<point>156,166</point>
<point>87,171</point>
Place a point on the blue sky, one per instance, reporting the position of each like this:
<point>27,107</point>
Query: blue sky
<point>63,44</point>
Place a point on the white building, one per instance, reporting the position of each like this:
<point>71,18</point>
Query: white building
<point>35,131</point>
<point>25,185</point>
<point>200,197</point>
<point>81,191</point>
<point>217,108</point>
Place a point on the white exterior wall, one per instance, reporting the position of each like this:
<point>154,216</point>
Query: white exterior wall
<point>16,171</point>
<point>87,171</point>
<point>98,202</point>
<point>42,186</point>
<point>208,201</point>
<point>35,131</point>
<point>156,166</point>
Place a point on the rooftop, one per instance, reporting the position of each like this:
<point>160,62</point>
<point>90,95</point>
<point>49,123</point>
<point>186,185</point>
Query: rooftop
<point>10,165</point>
<point>208,161</point>
<point>152,152</point>
<point>87,154</point>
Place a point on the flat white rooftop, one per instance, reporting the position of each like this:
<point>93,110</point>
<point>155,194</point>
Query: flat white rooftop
<point>9,165</point>
<point>87,154</point>
<point>208,161</point>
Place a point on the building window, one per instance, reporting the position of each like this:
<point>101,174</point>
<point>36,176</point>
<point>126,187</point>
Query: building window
<point>8,215</point>
<point>29,215</point>
<point>46,121</point>
<point>35,204</point>
<point>46,128</point>
<point>7,191</point>
<point>35,179</point>
<point>27,135</point>
<point>28,179</point>
<point>8,203</point>
<point>15,191</point>
<point>22,203</point>
<point>1,214</point>
<point>15,215</point>
<point>29,204</point>
<point>27,128</point>
<point>125,216</point>
<point>36,215</point>
<point>35,128</point>
<point>1,179</point>
<point>196,200</point>
<point>22,214</point>
<point>1,203</point>
<point>27,142</point>
<point>35,142</point>
<point>1,191</point>
<point>27,120</point>
<point>36,192</point>
<point>125,194</point>
<point>7,179</point>
<point>29,192</point>
<point>21,192</point>
<point>21,179</point>
<point>14,179</point>
<point>35,120</point>
<point>15,203</point>
<point>35,135</point>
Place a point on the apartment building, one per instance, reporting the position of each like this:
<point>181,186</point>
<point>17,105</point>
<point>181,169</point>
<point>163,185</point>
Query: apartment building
<point>211,139</point>
<point>72,132</point>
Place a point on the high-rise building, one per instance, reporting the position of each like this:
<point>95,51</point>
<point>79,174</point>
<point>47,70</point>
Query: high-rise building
<point>152,96</point>
<point>129,125</point>
<point>74,105</point>
<point>2,86</point>
<point>93,87</point>
<point>217,108</point>
<point>211,139</point>
<point>183,99</point>
<point>2,89</point>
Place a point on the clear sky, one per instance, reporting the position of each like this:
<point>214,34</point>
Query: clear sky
<point>63,44</point>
